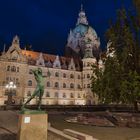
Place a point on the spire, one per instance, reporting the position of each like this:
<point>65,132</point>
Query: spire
<point>82,19</point>
<point>15,40</point>
<point>81,7</point>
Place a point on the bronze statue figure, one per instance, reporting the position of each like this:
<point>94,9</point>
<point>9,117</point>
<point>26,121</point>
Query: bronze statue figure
<point>39,88</point>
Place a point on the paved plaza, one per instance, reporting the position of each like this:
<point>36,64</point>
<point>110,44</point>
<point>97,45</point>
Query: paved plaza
<point>9,120</point>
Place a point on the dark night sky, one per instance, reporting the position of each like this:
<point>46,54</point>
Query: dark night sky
<point>45,24</point>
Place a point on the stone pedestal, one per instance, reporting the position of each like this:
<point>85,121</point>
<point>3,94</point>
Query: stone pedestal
<point>32,126</point>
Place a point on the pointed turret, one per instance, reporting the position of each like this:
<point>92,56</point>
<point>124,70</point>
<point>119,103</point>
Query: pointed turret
<point>56,63</point>
<point>15,40</point>
<point>71,65</point>
<point>40,60</point>
<point>82,19</point>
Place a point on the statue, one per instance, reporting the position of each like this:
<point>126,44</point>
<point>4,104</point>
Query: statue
<point>39,88</point>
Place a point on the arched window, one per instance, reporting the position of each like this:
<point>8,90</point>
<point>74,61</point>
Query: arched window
<point>71,76</point>
<point>88,64</point>
<point>56,84</point>
<point>47,94</point>
<point>88,85</point>
<point>88,75</point>
<point>56,74</point>
<point>64,85</point>
<point>56,94</point>
<point>64,75</point>
<point>8,68</point>
<point>79,96</point>
<point>71,85</point>
<point>13,69</point>
<point>29,93</point>
<point>71,95</point>
<point>78,86</point>
<point>29,83</point>
<point>48,84</point>
<point>64,95</point>
<point>17,69</point>
<point>78,76</point>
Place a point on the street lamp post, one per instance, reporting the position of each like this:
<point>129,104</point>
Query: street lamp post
<point>11,90</point>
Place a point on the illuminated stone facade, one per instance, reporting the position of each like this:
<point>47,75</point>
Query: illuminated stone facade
<point>68,78</point>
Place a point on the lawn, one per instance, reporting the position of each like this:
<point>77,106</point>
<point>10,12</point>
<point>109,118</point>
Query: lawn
<point>101,133</point>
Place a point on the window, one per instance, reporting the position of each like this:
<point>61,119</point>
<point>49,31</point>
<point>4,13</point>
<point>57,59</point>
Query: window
<point>29,93</point>
<point>64,75</point>
<point>84,76</point>
<point>64,95</point>
<point>88,85</point>
<point>56,74</point>
<point>17,69</point>
<point>71,95</point>
<point>88,64</point>
<point>79,96</point>
<point>56,94</point>
<point>71,85</point>
<point>48,84</point>
<point>84,86</point>
<point>78,76</point>
<point>88,75</point>
<point>7,79</point>
<point>56,84</point>
<point>78,86</point>
<point>47,94</point>
<point>64,85</point>
<point>13,69</point>
<point>29,83</point>
<point>71,76</point>
<point>8,68</point>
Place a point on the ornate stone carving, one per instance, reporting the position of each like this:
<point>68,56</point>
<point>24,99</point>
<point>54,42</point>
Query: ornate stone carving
<point>40,60</point>
<point>56,63</point>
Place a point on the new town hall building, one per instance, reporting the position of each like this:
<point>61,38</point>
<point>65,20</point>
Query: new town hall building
<point>68,78</point>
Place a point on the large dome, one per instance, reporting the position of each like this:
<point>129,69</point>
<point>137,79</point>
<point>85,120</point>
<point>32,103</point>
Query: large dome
<point>82,34</point>
<point>83,29</point>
